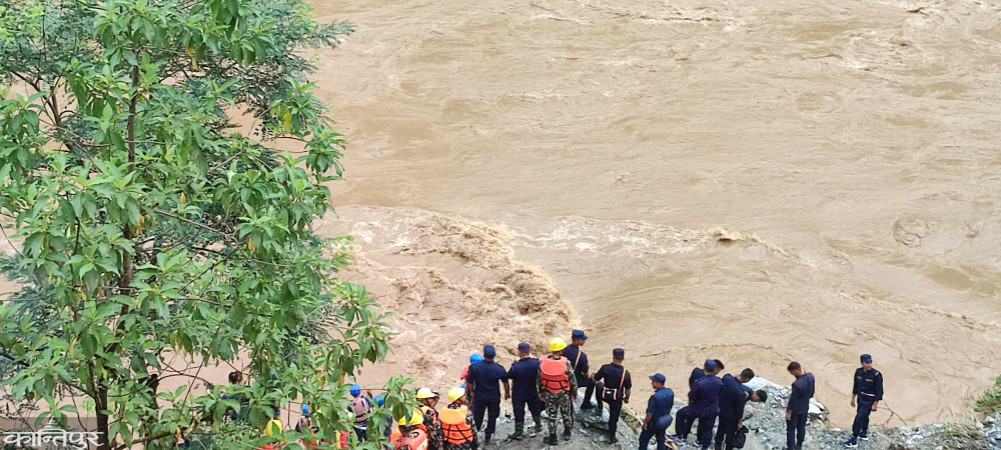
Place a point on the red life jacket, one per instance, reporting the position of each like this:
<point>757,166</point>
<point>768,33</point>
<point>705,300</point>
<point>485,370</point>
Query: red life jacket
<point>454,426</point>
<point>553,373</point>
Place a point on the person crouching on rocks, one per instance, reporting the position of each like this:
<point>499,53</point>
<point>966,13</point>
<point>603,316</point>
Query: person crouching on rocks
<point>731,407</point>
<point>557,388</point>
<point>457,422</point>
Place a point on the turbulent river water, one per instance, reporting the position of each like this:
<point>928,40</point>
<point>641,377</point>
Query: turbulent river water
<point>754,181</point>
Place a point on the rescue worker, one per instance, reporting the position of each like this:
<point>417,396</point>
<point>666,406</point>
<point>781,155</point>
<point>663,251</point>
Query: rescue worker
<point>473,359</point>
<point>658,413</point>
<point>798,408</point>
<point>557,388</point>
<point>360,406</point>
<point>525,391</point>
<point>581,368</point>
<point>412,435</point>
<point>868,391</point>
<point>613,385</point>
<point>703,404</point>
<point>483,382</point>
<point>428,400</point>
<point>731,406</point>
<point>457,422</point>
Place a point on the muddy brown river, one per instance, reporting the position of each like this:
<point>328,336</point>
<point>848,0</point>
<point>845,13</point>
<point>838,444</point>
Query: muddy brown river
<point>754,181</point>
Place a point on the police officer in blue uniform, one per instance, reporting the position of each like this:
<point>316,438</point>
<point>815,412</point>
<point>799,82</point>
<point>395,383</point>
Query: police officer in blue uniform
<point>581,370</point>
<point>867,392</point>
<point>525,391</point>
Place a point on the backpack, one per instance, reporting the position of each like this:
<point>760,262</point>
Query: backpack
<point>360,406</point>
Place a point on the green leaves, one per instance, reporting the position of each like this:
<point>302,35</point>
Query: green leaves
<point>152,229</point>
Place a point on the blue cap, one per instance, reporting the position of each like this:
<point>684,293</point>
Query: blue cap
<point>475,358</point>
<point>618,353</point>
<point>305,409</point>
<point>463,385</point>
<point>355,390</point>
<point>578,334</point>
<point>489,351</point>
<point>524,347</point>
<point>380,399</point>
<point>658,377</point>
<point>710,365</point>
<point>866,358</point>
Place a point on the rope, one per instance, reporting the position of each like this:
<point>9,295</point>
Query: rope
<point>892,414</point>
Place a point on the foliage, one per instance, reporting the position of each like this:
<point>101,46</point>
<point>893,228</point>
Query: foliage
<point>990,401</point>
<point>152,227</point>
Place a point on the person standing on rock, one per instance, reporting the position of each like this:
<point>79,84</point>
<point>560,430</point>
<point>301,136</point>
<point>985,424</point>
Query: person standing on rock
<point>703,404</point>
<point>557,388</point>
<point>483,381</point>
<point>731,407</point>
<point>524,374</point>
<point>613,385</point>
<point>868,390</point>
<point>798,408</point>
<point>658,413</point>
<point>581,368</point>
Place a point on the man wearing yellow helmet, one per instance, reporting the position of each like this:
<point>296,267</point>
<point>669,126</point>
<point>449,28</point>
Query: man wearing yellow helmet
<point>412,435</point>
<point>557,387</point>
<point>428,400</point>
<point>457,422</point>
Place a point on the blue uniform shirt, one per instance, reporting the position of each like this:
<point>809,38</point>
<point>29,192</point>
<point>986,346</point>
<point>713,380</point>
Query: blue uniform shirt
<point>802,391</point>
<point>486,377</point>
<point>705,393</point>
<point>578,359</point>
<point>660,403</point>
<point>732,399</point>
<point>523,375</point>
<point>868,385</point>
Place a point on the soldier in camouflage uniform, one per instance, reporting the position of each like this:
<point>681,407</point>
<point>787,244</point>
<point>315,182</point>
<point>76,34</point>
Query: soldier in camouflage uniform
<point>558,388</point>
<point>462,430</point>
<point>428,400</point>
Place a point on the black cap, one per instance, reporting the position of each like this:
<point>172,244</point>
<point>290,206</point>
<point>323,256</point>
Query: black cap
<point>489,351</point>
<point>866,358</point>
<point>524,347</point>
<point>618,353</point>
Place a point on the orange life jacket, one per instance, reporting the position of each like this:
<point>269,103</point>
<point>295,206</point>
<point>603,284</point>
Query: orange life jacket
<point>454,426</point>
<point>553,373</point>
<point>415,439</point>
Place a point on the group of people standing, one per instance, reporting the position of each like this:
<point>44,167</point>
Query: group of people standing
<point>715,400</point>
<point>552,383</point>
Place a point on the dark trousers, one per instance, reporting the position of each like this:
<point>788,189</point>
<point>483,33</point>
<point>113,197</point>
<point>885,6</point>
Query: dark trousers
<point>362,433</point>
<point>535,407</point>
<point>492,408</point>
<point>796,430</point>
<point>649,433</point>
<point>614,410</point>
<point>687,416</point>
<point>861,425</point>
<point>725,432</point>
<point>588,386</point>
<point>683,421</point>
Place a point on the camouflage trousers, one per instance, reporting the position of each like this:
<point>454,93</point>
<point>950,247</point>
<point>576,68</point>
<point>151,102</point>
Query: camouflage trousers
<point>558,405</point>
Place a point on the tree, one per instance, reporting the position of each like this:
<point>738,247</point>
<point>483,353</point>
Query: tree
<point>152,226</point>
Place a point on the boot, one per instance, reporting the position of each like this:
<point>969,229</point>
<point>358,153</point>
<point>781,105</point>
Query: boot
<point>566,434</point>
<point>519,432</point>
<point>551,439</point>
<point>538,425</point>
